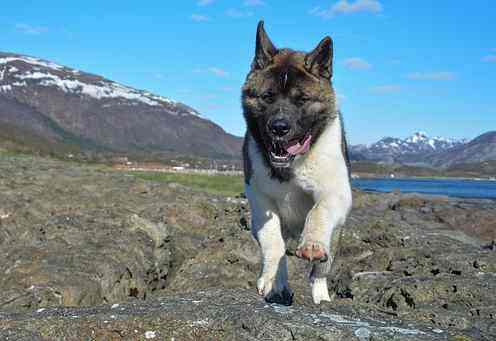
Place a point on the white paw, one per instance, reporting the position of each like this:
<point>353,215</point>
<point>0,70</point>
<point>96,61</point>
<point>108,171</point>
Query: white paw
<point>319,290</point>
<point>264,285</point>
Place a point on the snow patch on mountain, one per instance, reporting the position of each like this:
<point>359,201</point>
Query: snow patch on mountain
<point>412,150</point>
<point>32,61</point>
<point>19,84</point>
<point>418,142</point>
<point>5,88</point>
<point>98,91</point>
<point>72,81</point>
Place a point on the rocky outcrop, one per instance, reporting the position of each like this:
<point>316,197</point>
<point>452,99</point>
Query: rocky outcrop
<point>214,314</point>
<point>409,267</point>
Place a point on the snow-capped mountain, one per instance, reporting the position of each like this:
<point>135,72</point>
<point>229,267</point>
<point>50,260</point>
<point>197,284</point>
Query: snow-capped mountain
<point>17,72</point>
<point>418,142</point>
<point>412,149</point>
<point>70,106</point>
<point>479,150</point>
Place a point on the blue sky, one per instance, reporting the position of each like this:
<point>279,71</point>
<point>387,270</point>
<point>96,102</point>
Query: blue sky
<point>399,66</point>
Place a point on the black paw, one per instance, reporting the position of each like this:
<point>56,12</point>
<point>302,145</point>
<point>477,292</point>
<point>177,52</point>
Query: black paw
<point>285,297</point>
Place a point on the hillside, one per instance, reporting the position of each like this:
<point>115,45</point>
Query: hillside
<point>480,149</point>
<point>68,107</point>
<point>431,152</point>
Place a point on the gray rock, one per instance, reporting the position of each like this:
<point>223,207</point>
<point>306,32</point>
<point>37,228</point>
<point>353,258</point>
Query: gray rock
<point>214,314</point>
<point>81,236</point>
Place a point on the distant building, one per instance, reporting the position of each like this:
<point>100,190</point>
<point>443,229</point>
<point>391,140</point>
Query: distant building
<point>123,160</point>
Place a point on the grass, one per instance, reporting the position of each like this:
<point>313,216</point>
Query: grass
<point>217,184</point>
<point>14,153</point>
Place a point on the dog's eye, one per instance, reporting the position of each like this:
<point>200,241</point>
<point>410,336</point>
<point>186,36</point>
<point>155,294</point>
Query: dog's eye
<point>268,96</point>
<point>302,99</point>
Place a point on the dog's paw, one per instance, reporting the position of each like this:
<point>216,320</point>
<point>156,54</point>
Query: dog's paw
<point>312,251</point>
<point>319,290</point>
<point>274,292</point>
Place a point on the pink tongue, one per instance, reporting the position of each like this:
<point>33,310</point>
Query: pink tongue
<point>299,148</point>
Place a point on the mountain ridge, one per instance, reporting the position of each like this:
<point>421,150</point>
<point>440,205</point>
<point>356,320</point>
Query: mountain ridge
<point>67,109</point>
<point>419,149</point>
<point>69,105</point>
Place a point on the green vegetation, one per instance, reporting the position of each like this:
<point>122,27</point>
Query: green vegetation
<point>383,169</point>
<point>13,153</point>
<point>218,184</point>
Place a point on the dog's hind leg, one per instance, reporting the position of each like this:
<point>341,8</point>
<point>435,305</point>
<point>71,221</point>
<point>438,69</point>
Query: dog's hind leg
<point>266,228</point>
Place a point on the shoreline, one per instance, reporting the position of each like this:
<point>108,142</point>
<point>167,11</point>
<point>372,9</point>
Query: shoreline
<point>430,195</point>
<point>368,176</point>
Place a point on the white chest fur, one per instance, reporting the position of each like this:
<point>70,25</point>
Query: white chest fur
<point>323,168</point>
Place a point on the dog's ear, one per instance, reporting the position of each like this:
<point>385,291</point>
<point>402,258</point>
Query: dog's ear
<point>319,61</point>
<point>265,50</point>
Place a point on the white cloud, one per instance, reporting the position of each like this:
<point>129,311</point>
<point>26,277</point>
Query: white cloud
<point>213,106</point>
<point>205,2</point>
<point>209,96</point>
<point>28,29</point>
<point>432,76</point>
<point>386,89</point>
<point>218,72</point>
<point>489,59</point>
<point>235,13</point>
<point>213,70</point>
<point>345,7</point>
<point>199,18</point>
<point>253,3</point>
<point>356,63</point>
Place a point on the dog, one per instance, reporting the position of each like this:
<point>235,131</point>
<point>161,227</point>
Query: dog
<point>296,165</point>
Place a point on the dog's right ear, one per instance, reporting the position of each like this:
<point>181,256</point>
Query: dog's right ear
<point>265,50</point>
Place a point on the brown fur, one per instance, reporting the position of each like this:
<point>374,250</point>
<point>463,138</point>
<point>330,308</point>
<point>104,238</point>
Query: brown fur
<point>302,93</point>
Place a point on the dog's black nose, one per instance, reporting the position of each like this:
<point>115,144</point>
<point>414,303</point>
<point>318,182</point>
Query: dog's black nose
<point>279,127</point>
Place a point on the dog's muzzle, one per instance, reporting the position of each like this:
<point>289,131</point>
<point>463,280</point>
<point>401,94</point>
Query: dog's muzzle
<point>283,151</point>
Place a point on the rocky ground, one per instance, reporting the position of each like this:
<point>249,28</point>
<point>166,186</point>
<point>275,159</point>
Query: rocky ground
<point>89,253</point>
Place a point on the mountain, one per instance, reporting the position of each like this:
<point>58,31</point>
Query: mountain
<point>422,150</point>
<point>415,149</point>
<point>62,106</point>
<point>479,150</point>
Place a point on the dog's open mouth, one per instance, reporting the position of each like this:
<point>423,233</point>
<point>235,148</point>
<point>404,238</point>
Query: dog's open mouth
<point>282,154</point>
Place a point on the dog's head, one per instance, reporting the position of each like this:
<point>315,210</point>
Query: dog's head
<point>288,98</point>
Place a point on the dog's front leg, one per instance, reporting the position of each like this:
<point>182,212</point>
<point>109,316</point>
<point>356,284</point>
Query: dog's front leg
<point>320,237</point>
<point>266,228</point>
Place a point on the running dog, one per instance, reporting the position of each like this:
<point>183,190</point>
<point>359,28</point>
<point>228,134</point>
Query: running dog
<point>296,165</point>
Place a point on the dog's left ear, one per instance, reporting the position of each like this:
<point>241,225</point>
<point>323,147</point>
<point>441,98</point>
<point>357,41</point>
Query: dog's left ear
<point>319,61</point>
